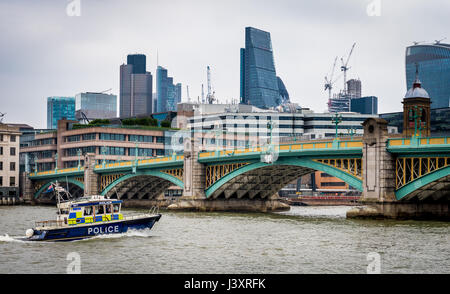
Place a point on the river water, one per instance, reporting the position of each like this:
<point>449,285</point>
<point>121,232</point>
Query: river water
<point>302,240</point>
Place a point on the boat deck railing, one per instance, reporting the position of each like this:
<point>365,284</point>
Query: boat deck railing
<point>51,223</point>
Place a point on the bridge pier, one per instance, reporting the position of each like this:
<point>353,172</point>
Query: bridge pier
<point>91,179</point>
<point>28,191</point>
<point>378,198</point>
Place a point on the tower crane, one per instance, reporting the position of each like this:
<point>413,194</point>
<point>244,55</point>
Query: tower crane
<point>439,41</point>
<point>187,91</point>
<point>209,95</point>
<point>345,67</point>
<point>329,79</point>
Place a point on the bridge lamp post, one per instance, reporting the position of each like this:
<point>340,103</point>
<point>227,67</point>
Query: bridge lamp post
<point>336,119</point>
<point>56,161</point>
<point>104,156</point>
<point>79,160</point>
<point>217,135</point>
<point>351,131</point>
<point>35,164</point>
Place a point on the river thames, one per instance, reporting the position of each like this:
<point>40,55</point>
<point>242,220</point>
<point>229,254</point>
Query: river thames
<point>303,240</point>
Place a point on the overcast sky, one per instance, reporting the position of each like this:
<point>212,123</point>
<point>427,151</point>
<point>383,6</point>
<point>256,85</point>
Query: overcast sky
<point>46,52</point>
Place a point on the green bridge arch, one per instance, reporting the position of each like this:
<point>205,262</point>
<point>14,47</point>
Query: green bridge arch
<point>66,180</point>
<point>301,162</point>
<point>159,174</point>
<point>422,181</point>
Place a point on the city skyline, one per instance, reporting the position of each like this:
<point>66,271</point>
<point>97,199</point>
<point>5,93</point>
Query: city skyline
<point>60,55</point>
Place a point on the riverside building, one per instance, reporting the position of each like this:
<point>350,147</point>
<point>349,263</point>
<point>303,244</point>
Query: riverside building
<point>9,162</point>
<point>65,147</point>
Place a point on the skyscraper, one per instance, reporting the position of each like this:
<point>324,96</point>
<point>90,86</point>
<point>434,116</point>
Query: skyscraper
<point>259,82</point>
<point>354,88</point>
<point>433,61</point>
<point>59,108</point>
<point>135,87</point>
<point>168,94</point>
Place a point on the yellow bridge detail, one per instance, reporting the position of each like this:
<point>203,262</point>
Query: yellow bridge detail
<point>216,172</point>
<point>352,166</point>
<point>407,169</point>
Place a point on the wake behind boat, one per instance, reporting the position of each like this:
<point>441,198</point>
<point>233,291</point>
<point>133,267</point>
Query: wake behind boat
<point>87,217</point>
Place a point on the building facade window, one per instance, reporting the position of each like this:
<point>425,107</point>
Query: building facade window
<point>140,138</point>
<point>12,151</point>
<point>12,181</point>
<point>112,137</point>
<point>90,136</point>
<point>12,166</point>
<point>141,152</point>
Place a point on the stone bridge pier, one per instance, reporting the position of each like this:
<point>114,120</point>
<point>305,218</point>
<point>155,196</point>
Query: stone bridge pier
<point>379,172</point>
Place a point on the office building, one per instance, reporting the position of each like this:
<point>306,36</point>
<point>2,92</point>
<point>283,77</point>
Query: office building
<point>59,108</point>
<point>259,81</point>
<point>433,61</point>
<point>108,143</point>
<point>364,105</point>
<point>168,94</point>
<point>354,88</point>
<point>135,87</point>
<point>439,121</point>
<point>9,161</point>
<point>248,127</point>
<point>93,105</point>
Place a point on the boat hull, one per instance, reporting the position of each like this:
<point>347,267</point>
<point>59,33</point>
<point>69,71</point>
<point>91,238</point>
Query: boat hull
<point>77,232</point>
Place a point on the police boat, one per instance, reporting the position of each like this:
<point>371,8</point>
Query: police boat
<point>87,217</point>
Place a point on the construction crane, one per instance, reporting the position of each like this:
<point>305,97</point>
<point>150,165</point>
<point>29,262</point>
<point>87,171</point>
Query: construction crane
<point>345,67</point>
<point>187,91</point>
<point>209,95</point>
<point>329,79</point>
<point>439,41</point>
<point>106,91</point>
<point>203,95</point>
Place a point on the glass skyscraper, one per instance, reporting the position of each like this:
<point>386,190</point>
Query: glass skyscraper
<point>434,71</point>
<point>59,108</point>
<point>96,105</point>
<point>168,95</point>
<point>135,87</point>
<point>259,82</point>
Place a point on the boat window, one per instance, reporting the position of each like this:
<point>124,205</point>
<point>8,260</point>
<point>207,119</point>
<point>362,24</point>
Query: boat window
<point>88,210</point>
<point>108,208</point>
<point>116,208</point>
<point>64,211</point>
<point>99,209</point>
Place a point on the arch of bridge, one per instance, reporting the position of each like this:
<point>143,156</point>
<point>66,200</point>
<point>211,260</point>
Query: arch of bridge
<point>144,184</point>
<point>73,182</point>
<point>435,184</point>
<point>263,180</point>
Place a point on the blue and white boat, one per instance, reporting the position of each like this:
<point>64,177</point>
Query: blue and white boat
<point>87,217</point>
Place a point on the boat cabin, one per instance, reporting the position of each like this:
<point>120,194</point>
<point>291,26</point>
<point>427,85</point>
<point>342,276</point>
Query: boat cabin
<point>89,210</point>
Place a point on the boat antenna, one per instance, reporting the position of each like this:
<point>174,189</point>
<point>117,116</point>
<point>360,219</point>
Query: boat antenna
<point>67,184</point>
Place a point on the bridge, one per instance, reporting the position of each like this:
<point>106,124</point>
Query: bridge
<point>397,176</point>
